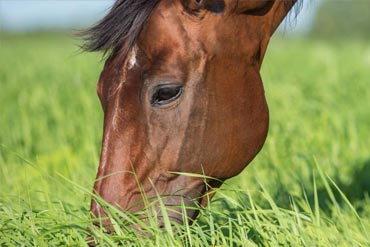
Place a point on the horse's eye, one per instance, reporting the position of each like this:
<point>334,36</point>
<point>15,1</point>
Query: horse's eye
<point>165,94</point>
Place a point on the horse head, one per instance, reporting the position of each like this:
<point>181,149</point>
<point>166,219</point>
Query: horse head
<point>182,93</point>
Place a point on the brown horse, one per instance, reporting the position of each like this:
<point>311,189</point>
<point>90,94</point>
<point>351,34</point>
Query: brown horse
<point>182,93</point>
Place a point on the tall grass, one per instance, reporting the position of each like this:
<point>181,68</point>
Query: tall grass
<point>308,186</point>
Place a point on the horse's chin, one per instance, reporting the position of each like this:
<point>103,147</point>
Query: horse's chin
<point>174,210</point>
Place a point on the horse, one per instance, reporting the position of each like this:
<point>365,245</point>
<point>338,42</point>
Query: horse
<point>182,94</point>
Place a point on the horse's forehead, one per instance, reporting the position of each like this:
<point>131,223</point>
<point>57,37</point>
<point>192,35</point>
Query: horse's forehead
<point>166,28</point>
<point>171,28</point>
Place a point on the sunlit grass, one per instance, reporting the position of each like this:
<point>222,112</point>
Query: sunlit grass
<point>233,219</point>
<point>308,186</point>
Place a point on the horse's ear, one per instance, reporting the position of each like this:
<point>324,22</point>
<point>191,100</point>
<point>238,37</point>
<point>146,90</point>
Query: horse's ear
<point>278,12</point>
<point>253,6</point>
<point>192,5</point>
<point>271,11</point>
<point>216,6</point>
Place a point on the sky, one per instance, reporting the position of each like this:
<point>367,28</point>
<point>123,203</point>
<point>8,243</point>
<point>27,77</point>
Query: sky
<point>26,15</point>
<point>29,15</point>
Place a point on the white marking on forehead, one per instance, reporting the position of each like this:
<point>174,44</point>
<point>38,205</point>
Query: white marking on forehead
<point>132,58</point>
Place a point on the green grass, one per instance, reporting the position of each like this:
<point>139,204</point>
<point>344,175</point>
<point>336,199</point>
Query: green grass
<point>309,186</point>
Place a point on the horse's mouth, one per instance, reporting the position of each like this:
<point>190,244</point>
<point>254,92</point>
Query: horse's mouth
<point>176,211</point>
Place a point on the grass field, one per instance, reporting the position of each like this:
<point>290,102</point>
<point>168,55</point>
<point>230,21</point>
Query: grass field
<point>309,186</point>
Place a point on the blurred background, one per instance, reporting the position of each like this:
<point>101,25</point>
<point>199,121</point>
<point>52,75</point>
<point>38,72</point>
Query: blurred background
<point>31,15</point>
<point>28,16</point>
<point>325,18</point>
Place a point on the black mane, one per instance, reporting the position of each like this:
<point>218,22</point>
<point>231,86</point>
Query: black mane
<point>119,29</point>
